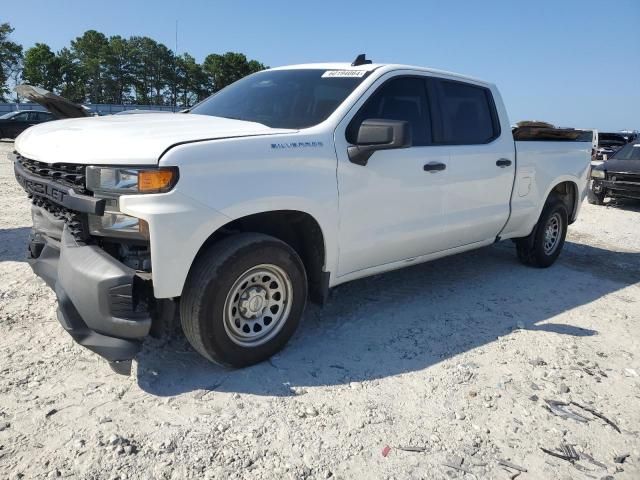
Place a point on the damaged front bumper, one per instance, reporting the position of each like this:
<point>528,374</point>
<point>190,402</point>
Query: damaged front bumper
<point>100,300</point>
<point>623,187</point>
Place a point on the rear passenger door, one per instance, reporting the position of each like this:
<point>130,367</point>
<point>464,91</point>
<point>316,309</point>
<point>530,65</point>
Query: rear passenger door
<point>481,167</point>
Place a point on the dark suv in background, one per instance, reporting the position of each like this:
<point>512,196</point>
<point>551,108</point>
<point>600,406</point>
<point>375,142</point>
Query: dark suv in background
<point>616,177</point>
<point>609,143</point>
<point>13,124</point>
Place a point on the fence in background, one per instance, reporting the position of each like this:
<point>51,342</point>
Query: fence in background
<point>99,108</point>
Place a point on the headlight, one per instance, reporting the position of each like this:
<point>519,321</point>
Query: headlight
<point>128,180</point>
<point>597,173</point>
<point>114,223</point>
<point>109,183</point>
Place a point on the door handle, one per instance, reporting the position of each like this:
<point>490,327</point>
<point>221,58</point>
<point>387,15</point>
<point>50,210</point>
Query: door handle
<point>434,167</point>
<point>503,162</point>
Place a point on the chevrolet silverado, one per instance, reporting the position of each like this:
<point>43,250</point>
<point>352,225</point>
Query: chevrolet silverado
<point>281,186</point>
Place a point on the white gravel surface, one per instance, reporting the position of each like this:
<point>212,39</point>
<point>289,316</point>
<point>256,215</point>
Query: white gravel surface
<point>453,359</point>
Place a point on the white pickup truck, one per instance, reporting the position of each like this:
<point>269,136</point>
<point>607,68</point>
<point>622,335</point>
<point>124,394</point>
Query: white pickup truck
<point>288,182</point>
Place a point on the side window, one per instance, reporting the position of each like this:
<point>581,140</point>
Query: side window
<point>401,98</point>
<point>44,116</point>
<point>466,113</point>
<point>21,117</point>
<point>33,117</point>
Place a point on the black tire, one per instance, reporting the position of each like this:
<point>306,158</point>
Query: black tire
<point>595,198</point>
<point>531,250</point>
<point>208,287</point>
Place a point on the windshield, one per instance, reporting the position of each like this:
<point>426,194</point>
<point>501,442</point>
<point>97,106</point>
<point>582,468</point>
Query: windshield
<point>283,98</point>
<point>628,152</point>
<point>6,116</point>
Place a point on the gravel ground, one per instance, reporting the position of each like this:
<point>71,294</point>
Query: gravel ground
<point>438,371</point>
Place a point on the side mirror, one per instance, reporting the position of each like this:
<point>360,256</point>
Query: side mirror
<point>378,134</point>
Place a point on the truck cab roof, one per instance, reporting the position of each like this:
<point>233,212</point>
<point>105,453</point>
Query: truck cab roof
<point>382,67</point>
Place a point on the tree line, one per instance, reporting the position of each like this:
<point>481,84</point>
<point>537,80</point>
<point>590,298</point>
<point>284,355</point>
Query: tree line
<point>95,68</point>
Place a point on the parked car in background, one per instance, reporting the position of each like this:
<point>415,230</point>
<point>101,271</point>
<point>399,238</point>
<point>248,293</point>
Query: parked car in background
<point>616,177</point>
<point>609,143</point>
<point>13,124</point>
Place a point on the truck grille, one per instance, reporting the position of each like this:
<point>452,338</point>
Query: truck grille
<point>629,178</point>
<point>76,222</point>
<point>69,175</point>
<point>64,173</point>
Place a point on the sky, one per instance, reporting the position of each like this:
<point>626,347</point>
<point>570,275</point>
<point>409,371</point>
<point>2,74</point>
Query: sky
<point>569,62</point>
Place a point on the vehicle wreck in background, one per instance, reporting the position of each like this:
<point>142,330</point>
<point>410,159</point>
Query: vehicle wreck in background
<point>57,105</point>
<point>609,143</point>
<point>617,177</point>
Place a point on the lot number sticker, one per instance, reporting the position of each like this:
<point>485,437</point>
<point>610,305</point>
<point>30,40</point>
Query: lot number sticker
<point>343,73</point>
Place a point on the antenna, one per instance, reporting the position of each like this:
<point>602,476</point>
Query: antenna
<point>361,60</point>
<point>175,72</point>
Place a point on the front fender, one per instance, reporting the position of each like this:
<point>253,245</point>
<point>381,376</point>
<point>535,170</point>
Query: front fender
<point>224,180</point>
<point>178,226</point>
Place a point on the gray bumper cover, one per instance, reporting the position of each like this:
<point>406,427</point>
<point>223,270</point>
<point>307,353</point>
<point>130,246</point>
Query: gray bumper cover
<point>96,297</point>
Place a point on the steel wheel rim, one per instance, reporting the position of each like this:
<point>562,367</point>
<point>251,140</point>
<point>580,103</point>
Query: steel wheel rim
<point>258,305</point>
<point>552,233</point>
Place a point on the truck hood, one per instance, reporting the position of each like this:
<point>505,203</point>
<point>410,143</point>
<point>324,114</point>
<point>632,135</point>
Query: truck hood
<point>622,166</point>
<point>127,139</point>
<point>57,105</point>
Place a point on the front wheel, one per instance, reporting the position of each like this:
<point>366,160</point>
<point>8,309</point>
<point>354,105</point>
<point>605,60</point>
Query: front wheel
<point>542,247</point>
<point>243,299</point>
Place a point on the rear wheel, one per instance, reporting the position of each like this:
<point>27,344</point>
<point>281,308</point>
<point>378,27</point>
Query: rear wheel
<point>243,299</point>
<point>542,247</point>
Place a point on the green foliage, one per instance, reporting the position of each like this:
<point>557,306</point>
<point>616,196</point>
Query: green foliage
<point>90,51</point>
<point>191,81</point>
<point>118,71</point>
<point>72,84</point>
<point>10,59</point>
<point>223,70</point>
<point>99,69</point>
<point>41,67</point>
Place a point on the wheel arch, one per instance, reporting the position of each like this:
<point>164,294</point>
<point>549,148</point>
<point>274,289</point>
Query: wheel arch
<point>298,229</point>
<point>567,191</point>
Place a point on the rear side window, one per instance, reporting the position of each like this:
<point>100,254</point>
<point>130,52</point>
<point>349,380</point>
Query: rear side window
<point>403,98</point>
<point>466,113</point>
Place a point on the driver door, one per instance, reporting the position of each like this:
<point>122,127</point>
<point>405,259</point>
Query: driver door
<point>391,209</point>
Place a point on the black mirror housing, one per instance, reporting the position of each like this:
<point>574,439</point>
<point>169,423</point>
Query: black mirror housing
<point>379,134</point>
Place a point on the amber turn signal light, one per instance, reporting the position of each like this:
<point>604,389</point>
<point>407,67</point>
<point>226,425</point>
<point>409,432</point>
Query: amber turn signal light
<point>156,181</point>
